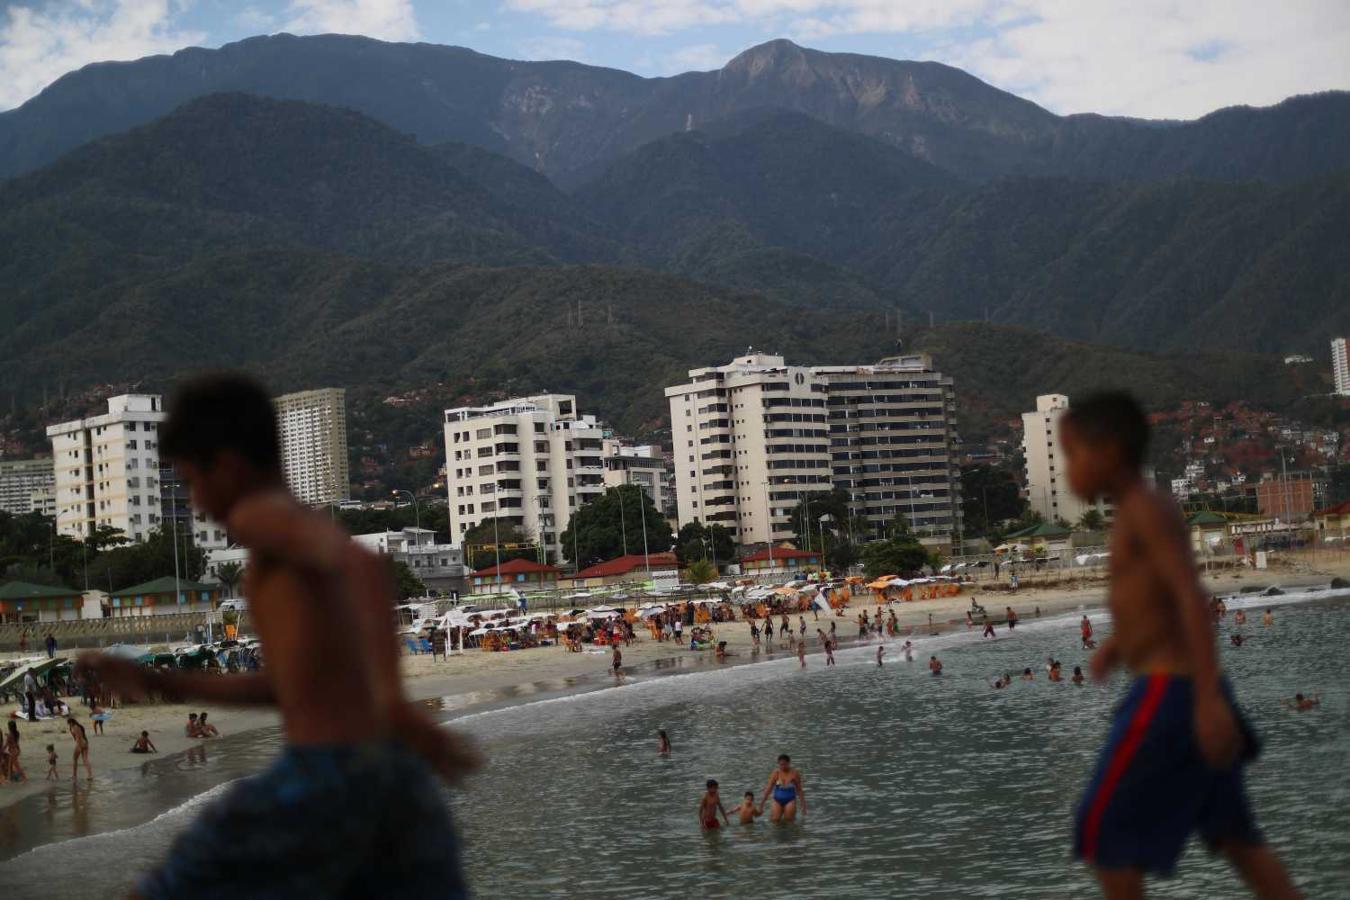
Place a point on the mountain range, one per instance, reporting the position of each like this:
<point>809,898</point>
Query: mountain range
<point>372,214</point>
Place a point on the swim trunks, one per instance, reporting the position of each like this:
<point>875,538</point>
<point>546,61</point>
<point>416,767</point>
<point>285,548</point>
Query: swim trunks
<point>1151,788</point>
<point>323,821</point>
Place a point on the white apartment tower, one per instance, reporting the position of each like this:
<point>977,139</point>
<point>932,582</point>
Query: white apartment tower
<point>313,427</point>
<point>25,485</point>
<point>750,442</point>
<point>1340,366</point>
<point>893,445</point>
<point>531,461</point>
<point>642,465</point>
<point>107,468</point>
<point>1047,485</point>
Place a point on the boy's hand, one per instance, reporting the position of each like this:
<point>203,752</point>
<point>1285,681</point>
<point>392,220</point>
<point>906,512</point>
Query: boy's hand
<point>127,678</point>
<point>1104,660</point>
<point>1216,731</point>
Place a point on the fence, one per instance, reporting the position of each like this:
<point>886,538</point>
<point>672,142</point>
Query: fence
<point>88,633</point>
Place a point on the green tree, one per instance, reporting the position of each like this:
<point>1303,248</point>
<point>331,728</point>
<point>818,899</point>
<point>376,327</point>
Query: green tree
<point>229,574</point>
<point>901,554</point>
<point>985,489</point>
<point>699,541</point>
<point>510,541</point>
<point>1092,520</point>
<point>122,567</point>
<point>406,584</point>
<point>611,525</point>
<point>701,571</point>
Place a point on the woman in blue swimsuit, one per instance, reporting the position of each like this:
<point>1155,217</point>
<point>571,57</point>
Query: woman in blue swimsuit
<point>785,785</point>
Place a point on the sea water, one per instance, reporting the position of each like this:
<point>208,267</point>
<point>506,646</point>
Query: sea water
<point>915,786</point>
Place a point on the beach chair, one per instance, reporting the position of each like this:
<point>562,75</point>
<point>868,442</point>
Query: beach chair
<point>412,646</point>
<point>424,644</point>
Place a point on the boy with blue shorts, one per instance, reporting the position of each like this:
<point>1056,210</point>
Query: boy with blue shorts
<point>1173,763</point>
<point>350,809</point>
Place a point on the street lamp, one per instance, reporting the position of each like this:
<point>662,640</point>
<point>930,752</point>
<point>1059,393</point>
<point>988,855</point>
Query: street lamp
<point>417,510</point>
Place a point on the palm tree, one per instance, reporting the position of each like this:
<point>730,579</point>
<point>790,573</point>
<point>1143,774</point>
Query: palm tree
<point>229,575</point>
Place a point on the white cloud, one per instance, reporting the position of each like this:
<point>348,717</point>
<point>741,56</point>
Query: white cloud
<point>254,19</point>
<point>693,58</point>
<point>40,44</point>
<point>1160,58</point>
<point>389,20</point>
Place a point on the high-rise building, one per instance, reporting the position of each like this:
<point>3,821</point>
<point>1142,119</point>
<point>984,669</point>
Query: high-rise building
<point>22,481</point>
<point>179,518</point>
<point>643,465</point>
<point>754,438</point>
<point>1047,488</point>
<point>313,426</point>
<point>1340,366</point>
<point>530,462</point>
<point>107,468</point>
<point>893,445</point>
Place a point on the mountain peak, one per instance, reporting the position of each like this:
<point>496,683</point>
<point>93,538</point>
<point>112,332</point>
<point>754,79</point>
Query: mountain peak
<point>774,54</point>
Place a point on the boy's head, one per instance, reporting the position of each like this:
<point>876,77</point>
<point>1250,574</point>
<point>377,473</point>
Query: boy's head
<point>750,795</point>
<point>712,785</point>
<point>1298,697</point>
<point>192,717</point>
<point>145,734</point>
<point>221,434</point>
<point>1104,439</point>
<point>51,748</point>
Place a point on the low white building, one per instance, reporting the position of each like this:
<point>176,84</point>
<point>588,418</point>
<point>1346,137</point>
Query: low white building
<point>438,566</point>
<point>643,465</point>
<point>1047,490</point>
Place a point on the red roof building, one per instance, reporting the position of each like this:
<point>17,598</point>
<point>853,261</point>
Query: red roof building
<point>781,558</point>
<point>518,573</point>
<point>624,568</point>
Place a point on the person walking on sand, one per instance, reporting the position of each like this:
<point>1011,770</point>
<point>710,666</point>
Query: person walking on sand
<point>12,752</point>
<point>350,807</point>
<point>52,760</point>
<point>81,750</point>
<point>789,797</point>
<point>50,641</point>
<point>1173,762</point>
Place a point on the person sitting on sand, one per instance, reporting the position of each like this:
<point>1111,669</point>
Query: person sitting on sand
<point>51,762</point>
<point>709,807</point>
<point>144,744</point>
<point>746,812</point>
<point>1302,703</point>
<point>192,729</point>
<point>1077,675</point>
<point>205,729</point>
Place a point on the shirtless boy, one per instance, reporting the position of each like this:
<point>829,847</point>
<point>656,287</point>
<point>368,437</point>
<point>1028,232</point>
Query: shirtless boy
<point>709,807</point>
<point>934,665</point>
<point>785,785</point>
<point>1173,760</point>
<point>747,811</point>
<point>350,806</point>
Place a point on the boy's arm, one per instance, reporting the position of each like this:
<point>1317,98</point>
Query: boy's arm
<point>1165,543</point>
<point>449,755</point>
<point>134,681</point>
<point>724,812</point>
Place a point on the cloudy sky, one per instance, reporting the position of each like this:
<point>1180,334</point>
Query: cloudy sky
<point>1155,58</point>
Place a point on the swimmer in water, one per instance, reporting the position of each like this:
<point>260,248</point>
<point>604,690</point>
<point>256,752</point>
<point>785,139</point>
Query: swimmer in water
<point>662,742</point>
<point>709,807</point>
<point>1268,618</point>
<point>829,653</point>
<point>1302,703</point>
<point>988,628</point>
<point>1077,676</point>
<point>881,651</point>
<point>1027,674</point>
<point>934,665</point>
<point>746,812</point>
<point>801,653</point>
<point>1237,640</point>
<point>1173,763</point>
<point>1085,628</point>
<point>789,797</point>
<point>1056,671</point>
<point>909,651</point>
<point>1239,618</point>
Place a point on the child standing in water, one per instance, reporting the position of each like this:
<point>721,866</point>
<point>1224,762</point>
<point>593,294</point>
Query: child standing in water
<point>747,811</point>
<point>51,762</point>
<point>1173,762</point>
<point>709,807</point>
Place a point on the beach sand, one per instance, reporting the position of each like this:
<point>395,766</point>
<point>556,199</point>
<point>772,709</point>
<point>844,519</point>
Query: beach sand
<point>474,676</point>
